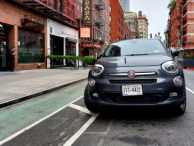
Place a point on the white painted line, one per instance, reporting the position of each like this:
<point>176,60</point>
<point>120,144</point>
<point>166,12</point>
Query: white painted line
<point>80,131</point>
<point>81,109</point>
<point>37,122</point>
<point>101,143</point>
<point>190,90</point>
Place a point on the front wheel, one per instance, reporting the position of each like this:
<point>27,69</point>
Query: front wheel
<point>180,109</point>
<point>88,103</point>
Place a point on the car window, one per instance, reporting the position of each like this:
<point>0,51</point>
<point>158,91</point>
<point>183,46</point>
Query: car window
<point>135,47</point>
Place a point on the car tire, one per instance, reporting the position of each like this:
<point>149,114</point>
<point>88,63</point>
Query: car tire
<point>180,109</point>
<point>88,103</point>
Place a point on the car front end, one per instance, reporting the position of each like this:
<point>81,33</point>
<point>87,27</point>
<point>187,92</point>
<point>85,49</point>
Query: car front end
<point>159,88</point>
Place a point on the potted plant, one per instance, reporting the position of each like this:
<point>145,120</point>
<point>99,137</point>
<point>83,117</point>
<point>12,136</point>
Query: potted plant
<point>38,65</point>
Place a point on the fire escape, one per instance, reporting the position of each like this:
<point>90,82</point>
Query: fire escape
<point>185,39</point>
<point>180,24</point>
<point>99,22</point>
<point>62,10</point>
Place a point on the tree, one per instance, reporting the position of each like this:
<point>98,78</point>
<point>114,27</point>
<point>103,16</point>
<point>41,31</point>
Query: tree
<point>171,4</point>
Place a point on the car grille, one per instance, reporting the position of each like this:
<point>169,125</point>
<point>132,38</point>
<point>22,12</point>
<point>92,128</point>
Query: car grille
<point>146,98</point>
<point>140,81</point>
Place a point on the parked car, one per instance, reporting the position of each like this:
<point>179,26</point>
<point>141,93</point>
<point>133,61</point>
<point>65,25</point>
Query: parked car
<point>138,72</point>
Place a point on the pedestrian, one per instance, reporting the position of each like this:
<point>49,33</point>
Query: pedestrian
<point>11,58</point>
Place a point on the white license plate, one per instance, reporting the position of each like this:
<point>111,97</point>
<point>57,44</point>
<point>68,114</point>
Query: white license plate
<point>131,90</point>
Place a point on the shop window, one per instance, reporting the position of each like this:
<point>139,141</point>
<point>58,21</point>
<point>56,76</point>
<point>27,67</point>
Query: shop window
<point>30,46</point>
<point>70,47</point>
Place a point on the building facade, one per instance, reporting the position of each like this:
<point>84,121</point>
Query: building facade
<point>61,40</point>
<point>27,31</point>
<point>94,24</point>
<point>116,21</point>
<point>131,20</point>
<point>125,4</point>
<point>142,25</point>
<point>180,28</point>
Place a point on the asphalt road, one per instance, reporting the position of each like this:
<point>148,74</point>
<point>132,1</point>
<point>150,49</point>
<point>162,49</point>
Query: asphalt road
<point>60,118</point>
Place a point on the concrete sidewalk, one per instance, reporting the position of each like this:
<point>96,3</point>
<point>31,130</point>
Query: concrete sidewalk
<point>18,85</point>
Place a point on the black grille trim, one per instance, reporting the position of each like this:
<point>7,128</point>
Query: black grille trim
<point>146,98</point>
<point>134,81</point>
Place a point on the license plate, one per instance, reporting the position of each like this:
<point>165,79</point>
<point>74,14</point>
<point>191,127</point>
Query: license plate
<point>132,90</point>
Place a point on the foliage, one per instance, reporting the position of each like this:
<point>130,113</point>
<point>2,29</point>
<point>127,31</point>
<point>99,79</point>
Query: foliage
<point>61,57</point>
<point>188,57</point>
<point>171,4</point>
<point>87,60</point>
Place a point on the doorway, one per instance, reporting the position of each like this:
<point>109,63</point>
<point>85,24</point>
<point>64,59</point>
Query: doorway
<point>56,45</point>
<point>3,54</point>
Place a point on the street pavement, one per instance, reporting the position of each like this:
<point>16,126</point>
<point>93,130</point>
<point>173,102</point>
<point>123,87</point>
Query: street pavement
<point>21,84</point>
<point>60,118</point>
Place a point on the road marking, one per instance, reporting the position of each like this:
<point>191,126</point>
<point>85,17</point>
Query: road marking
<point>37,122</point>
<point>190,90</point>
<point>81,130</point>
<point>101,143</point>
<point>81,109</point>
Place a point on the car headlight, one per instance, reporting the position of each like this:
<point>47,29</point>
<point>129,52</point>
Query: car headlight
<point>170,67</point>
<point>97,69</point>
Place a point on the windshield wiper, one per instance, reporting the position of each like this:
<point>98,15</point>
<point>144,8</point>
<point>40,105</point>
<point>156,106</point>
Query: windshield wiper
<point>135,54</point>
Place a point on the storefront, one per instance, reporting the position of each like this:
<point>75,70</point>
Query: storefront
<point>26,32</point>
<point>3,47</point>
<point>62,40</point>
<point>89,49</point>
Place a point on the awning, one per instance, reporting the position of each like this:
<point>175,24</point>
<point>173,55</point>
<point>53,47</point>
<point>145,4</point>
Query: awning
<point>71,40</point>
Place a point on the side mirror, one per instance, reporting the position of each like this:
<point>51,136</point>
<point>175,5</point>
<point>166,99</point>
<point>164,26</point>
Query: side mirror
<point>99,56</point>
<point>174,53</point>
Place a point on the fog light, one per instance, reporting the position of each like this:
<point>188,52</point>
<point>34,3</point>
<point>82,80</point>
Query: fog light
<point>178,81</point>
<point>91,82</point>
<point>173,94</point>
<point>95,95</point>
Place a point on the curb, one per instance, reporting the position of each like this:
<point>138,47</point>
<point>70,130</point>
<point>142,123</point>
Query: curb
<point>39,93</point>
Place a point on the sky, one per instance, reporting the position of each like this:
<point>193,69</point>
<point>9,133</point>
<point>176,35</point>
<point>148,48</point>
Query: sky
<point>156,12</point>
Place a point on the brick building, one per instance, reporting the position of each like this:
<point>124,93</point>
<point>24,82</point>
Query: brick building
<point>26,25</point>
<point>118,29</point>
<point>180,28</point>
<point>95,21</point>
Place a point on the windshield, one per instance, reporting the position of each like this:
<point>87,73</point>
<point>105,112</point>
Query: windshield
<point>134,48</point>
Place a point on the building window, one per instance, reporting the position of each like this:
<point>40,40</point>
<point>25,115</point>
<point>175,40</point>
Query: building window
<point>109,18</point>
<point>30,48</point>
<point>109,8</point>
<point>70,47</point>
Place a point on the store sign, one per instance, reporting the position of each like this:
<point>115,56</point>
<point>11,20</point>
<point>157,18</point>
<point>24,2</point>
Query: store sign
<point>65,33</point>
<point>85,32</point>
<point>91,45</point>
<point>2,30</point>
<point>87,12</point>
<point>33,25</point>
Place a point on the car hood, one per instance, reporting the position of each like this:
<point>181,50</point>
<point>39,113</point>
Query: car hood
<point>145,60</point>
